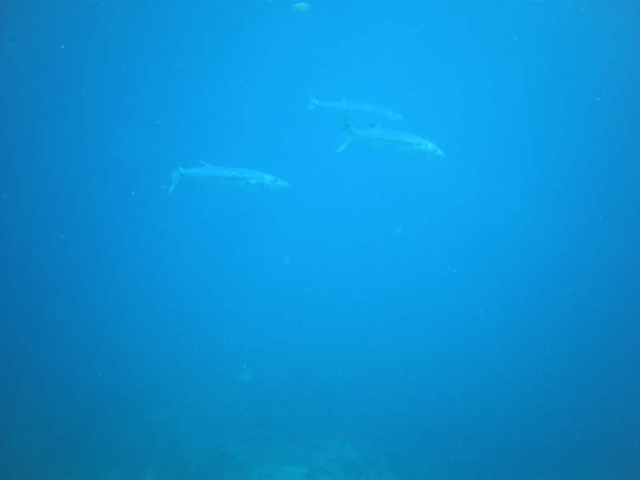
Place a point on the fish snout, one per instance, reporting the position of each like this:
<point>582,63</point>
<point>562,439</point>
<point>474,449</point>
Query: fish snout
<point>278,183</point>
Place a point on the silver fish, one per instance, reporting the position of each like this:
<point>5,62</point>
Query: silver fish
<point>344,108</point>
<point>383,137</point>
<point>241,178</point>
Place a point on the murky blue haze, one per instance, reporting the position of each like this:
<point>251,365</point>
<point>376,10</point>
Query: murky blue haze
<point>387,317</point>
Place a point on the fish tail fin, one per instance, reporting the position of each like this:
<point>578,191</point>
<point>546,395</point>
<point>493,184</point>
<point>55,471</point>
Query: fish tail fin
<point>176,175</point>
<point>313,102</point>
<point>348,129</point>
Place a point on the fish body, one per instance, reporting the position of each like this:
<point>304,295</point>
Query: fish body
<point>301,7</point>
<point>240,178</point>
<point>347,109</point>
<point>382,137</point>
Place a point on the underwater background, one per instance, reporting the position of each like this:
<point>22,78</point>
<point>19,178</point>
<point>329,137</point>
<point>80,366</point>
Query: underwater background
<point>386,317</point>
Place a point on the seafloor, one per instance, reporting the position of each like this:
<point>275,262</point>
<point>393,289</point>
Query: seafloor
<point>336,459</point>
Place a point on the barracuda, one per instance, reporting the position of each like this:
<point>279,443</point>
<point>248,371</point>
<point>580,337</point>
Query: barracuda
<point>241,178</point>
<point>382,137</point>
<point>344,108</point>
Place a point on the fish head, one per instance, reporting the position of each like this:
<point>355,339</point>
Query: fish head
<point>427,149</point>
<point>275,183</point>
<point>414,150</point>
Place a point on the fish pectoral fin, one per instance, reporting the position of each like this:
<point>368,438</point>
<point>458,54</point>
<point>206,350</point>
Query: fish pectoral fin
<point>313,102</point>
<point>252,183</point>
<point>345,144</point>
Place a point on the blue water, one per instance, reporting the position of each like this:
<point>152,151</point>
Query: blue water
<point>388,317</point>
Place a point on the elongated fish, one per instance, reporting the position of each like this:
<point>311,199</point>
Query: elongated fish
<point>344,108</point>
<point>383,137</point>
<point>241,178</point>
